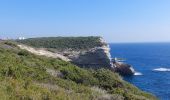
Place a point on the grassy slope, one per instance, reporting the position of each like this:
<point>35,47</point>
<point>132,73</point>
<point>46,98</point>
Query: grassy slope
<point>24,76</point>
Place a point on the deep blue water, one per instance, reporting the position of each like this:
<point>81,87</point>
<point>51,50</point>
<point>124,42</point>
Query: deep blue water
<point>145,57</point>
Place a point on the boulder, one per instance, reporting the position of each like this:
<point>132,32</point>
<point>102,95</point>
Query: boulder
<point>123,69</point>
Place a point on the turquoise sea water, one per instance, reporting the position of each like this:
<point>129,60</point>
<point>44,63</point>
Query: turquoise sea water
<point>150,59</point>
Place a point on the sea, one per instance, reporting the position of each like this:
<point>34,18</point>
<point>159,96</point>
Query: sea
<point>151,62</point>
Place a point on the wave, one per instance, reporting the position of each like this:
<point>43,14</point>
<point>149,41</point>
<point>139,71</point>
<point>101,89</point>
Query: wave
<point>138,73</point>
<point>162,69</point>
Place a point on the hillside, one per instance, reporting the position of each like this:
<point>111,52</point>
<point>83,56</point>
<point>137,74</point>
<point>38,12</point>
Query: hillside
<point>25,76</point>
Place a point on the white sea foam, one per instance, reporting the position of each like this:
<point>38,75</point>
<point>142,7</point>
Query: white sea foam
<point>138,73</point>
<point>162,69</point>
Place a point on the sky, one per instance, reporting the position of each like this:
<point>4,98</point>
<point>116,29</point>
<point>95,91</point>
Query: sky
<point>114,20</point>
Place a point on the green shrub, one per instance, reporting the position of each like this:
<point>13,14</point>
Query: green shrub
<point>107,79</point>
<point>79,75</point>
<point>10,43</point>
<point>23,53</point>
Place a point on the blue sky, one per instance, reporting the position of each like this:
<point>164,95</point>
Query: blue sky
<point>115,20</point>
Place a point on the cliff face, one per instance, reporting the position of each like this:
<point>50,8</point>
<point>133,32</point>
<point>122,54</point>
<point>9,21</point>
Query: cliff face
<point>94,55</point>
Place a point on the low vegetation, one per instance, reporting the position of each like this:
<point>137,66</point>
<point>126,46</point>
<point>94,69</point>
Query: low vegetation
<point>75,43</point>
<point>24,76</point>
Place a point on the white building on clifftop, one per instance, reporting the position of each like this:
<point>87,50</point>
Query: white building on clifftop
<point>21,38</point>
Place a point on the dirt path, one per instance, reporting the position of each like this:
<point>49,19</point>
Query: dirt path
<point>43,52</point>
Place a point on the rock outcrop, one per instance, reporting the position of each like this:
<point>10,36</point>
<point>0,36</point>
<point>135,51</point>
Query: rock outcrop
<point>123,69</point>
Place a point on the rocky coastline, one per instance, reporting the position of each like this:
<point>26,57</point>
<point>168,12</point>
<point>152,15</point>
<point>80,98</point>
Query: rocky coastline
<point>95,57</point>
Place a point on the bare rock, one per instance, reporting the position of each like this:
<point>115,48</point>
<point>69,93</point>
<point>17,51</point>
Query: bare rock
<point>124,69</point>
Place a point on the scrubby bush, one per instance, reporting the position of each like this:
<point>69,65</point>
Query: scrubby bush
<point>79,75</point>
<point>74,43</point>
<point>107,80</point>
<point>23,53</point>
<point>10,43</point>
